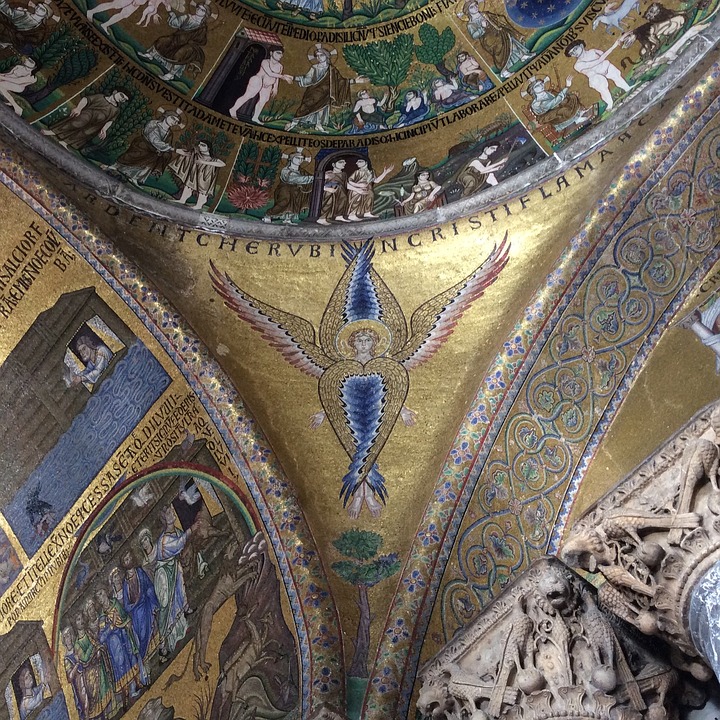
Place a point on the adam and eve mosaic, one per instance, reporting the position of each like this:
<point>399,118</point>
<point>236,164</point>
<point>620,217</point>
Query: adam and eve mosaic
<point>309,111</point>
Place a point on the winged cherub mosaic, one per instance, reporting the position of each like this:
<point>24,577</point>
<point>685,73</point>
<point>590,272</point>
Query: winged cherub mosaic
<point>362,354</point>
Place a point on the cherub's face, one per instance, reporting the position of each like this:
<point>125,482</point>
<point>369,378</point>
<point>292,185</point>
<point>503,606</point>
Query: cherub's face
<point>364,344</point>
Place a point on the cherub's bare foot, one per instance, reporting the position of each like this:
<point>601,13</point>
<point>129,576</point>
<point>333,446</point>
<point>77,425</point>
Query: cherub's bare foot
<point>355,506</point>
<point>374,506</point>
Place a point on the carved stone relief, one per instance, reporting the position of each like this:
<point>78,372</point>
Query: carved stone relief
<point>545,649</point>
<point>655,535</point>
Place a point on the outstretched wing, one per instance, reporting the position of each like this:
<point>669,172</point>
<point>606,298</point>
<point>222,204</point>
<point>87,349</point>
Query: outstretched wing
<point>433,322</point>
<point>292,336</point>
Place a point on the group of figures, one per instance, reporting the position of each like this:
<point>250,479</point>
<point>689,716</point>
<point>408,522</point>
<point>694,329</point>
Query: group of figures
<point>141,612</point>
<point>119,630</point>
<point>352,191</point>
<point>326,92</point>
<point>338,93</point>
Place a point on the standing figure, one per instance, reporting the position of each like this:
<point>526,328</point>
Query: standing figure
<point>325,88</point>
<point>75,673</point>
<point>360,190</point>
<point>183,48</point>
<point>91,118</point>
<point>293,192</point>
<point>262,87</point>
<point>141,603</point>
<point>197,172</point>
<point>335,197</point>
<point>126,8</point>
<point>595,66</point>
<point>481,171</point>
<point>95,667</point>
<point>151,151</point>
<point>170,584</point>
<point>118,636</point>
<point>149,551</point>
<point>498,38</point>
<point>17,79</point>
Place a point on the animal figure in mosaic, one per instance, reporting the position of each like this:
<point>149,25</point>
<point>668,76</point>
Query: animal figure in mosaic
<point>362,354</point>
<point>613,14</point>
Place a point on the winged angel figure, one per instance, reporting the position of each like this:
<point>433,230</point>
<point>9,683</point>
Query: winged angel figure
<point>362,354</point>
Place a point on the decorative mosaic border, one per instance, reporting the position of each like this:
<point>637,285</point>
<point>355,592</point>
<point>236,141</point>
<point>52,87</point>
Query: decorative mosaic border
<point>304,578</point>
<point>410,613</point>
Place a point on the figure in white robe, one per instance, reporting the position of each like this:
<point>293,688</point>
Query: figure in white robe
<point>170,584</point>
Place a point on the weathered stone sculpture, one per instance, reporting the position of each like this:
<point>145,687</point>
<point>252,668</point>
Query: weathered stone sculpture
<point>656,535</point>
<point>545,649</point>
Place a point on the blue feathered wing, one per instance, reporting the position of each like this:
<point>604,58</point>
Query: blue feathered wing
<point>362,404</point>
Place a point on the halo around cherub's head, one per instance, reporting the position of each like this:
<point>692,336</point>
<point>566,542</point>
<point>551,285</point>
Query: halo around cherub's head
<point>348,334</point>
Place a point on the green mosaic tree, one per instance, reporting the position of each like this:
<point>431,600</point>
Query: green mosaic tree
<point>67,52</point>
<point>364,568</point>
<point>434,46</point>
<point>385,62</point>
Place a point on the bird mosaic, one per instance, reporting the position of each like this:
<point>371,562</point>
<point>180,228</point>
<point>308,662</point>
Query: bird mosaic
<point>361,355</point>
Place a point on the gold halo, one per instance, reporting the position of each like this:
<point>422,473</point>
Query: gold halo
<point>343,337</point>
